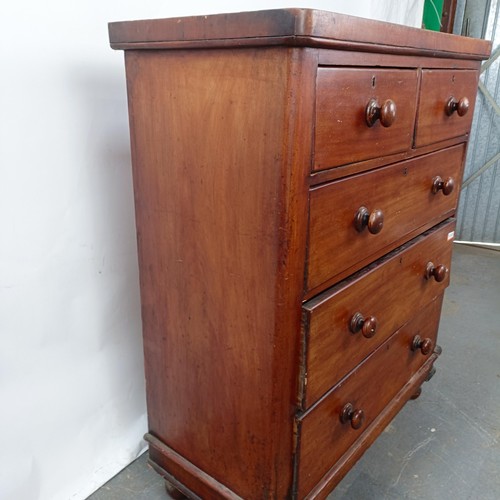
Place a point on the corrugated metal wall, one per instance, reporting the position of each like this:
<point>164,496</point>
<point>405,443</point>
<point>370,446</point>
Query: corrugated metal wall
<point>479,207</point>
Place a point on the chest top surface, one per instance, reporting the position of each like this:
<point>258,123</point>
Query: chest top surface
<point>293,27</point>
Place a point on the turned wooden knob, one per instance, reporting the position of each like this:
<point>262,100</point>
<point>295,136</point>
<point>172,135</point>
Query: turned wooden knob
<point>425,345</point>
<point>385,113</point>
<point>367,326</point>
<point>437,272</point>
<point>461,106</point>
<point>355,416</point>
<point>446,186</point>
<point>373,221</point>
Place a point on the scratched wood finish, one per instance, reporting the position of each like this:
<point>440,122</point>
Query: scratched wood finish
<point>402,191</point>
<point>213,177</point>
<point>342,95</point>
<point>399,280</point>
<point>433,124</point>
<point>323,438</point>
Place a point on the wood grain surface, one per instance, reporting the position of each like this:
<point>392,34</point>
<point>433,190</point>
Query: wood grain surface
<point>402,191</point>
<point>297,27</point>
<point>392,290</point>
<point>323,438</point>
<point>342,134</point>
<point>366,439</point>
<point>433,124</point>
<point>221,204</point>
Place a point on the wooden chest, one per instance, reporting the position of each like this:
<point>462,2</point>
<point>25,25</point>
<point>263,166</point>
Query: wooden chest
<point>296,174</point>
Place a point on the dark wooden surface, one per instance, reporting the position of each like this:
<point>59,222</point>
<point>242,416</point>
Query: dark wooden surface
<point>448,17</point>
<point>391,291</point>
<point>342,95</point>
<point>433,123</point>
<point>402,191</point>
<point>370,387</point>
<point>184,476</point>
<point>337,57</point>
<point>236,231</point>
<point>383,419</point>
<point>220,286</point>
<point>323,176</point>
<point>298,27</point>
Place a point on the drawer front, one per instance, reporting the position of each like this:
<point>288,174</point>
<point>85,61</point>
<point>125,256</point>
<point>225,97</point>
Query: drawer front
<point>346,323</point>
<point>404,194</point>
<point>342,134</point>
<point>438,118</point>
<point>323,437</point>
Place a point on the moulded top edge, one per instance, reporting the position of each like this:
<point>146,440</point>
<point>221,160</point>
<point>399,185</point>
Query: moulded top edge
<point>301,27</point>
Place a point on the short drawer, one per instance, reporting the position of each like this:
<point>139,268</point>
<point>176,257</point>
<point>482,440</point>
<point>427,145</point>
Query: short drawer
<point>446,105</point>
<point>324,436</point>
<point>343,97</point>
<point>356,220</point>
<point>343,325</point>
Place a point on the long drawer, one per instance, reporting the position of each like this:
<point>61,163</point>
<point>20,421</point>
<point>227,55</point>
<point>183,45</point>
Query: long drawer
<point>329,428</point>
<point>356,220</point>
<point>343,325</point>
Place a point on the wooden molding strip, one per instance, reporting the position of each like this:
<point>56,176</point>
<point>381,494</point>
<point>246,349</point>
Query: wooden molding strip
<point>183,474</point>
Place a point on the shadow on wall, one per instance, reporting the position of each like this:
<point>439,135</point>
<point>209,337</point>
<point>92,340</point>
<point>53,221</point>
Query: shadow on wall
<point>114,350</point>
<point>107,178</point>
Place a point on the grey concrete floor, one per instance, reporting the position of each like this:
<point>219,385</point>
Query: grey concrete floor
<point>444,445</point>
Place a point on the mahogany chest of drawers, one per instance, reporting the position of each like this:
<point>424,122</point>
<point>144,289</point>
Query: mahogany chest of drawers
<point>296,174</point>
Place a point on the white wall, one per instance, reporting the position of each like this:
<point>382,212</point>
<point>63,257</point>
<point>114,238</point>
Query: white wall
<point>71,370</point>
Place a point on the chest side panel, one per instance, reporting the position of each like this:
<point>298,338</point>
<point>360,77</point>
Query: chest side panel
<point>209,144</point>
